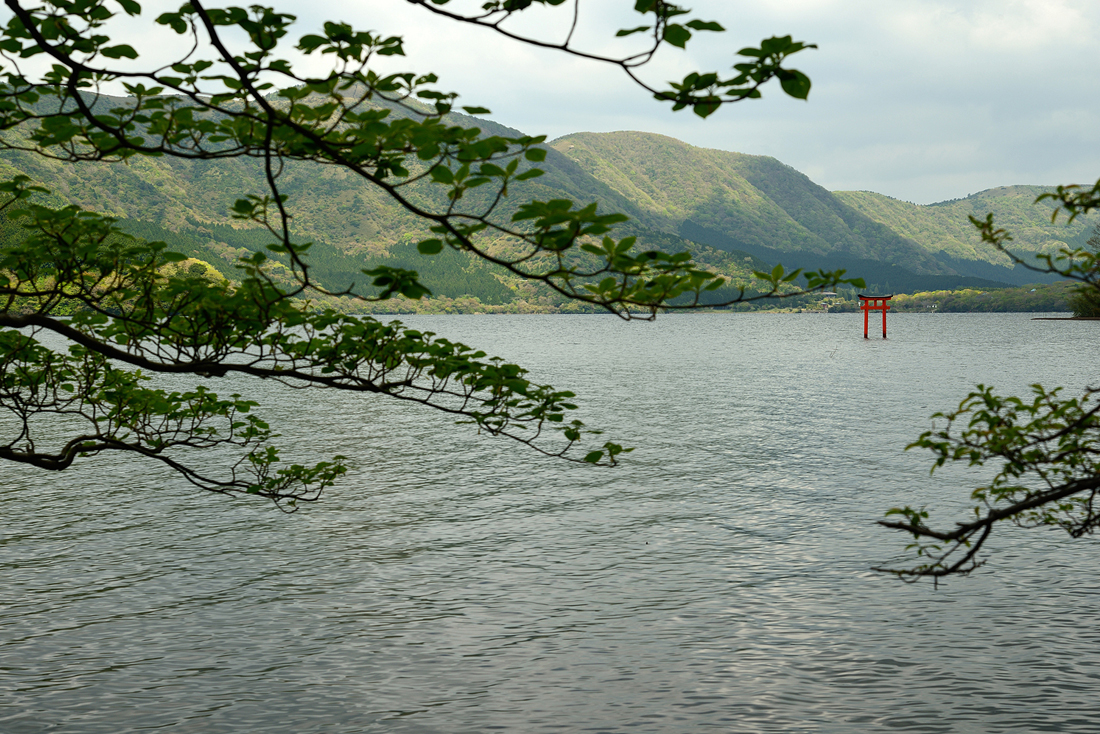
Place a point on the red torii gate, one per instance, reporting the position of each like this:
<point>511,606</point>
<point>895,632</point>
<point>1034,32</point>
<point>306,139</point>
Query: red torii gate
<point>874,303</point>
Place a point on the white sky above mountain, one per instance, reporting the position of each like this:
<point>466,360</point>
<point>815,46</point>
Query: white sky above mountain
<point>923,100</point>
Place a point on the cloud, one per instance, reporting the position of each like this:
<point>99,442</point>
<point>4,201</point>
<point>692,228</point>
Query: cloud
<point>922,100</point>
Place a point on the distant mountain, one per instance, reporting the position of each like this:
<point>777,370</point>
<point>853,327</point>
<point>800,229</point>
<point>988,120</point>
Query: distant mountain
<point>758,205</point>
<point>944,228</point>
<point>754,201</point>
<point>746,211</point>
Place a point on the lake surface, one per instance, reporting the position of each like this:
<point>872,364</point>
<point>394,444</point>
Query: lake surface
<point>717,581</point>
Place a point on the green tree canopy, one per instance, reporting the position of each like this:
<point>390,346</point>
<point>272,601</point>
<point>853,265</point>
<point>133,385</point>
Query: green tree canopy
<point>1085,301</point>
<point>1044,449</point>
<point>234,93</point>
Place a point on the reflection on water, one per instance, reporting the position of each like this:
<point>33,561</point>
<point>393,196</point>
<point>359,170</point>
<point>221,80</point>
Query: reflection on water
<point>717,581</point>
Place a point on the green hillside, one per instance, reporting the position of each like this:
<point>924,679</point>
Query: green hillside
<point>330,205</point>
<point>754,201</point>
<point>758,205</point>
<point>944,228</point>
<point>738,212</point>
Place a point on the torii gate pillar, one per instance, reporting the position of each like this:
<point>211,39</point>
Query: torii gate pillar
<point>874,303</point>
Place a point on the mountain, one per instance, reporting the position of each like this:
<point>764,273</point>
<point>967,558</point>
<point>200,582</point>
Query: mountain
<point>758,205</point>
<point>944,228</point>
<point>738,212</point>
<point>753,201</point>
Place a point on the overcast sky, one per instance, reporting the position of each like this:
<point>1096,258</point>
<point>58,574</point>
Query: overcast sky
<point>923,100</point>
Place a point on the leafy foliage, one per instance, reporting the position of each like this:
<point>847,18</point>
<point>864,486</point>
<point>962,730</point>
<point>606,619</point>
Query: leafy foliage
<point>1085,302</point>
<point>132,312</point>
<point>1048,474</point>
<point>664,23</point>
<point>1044,449</point>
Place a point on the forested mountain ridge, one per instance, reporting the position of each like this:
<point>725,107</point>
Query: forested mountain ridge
<point>754,201</point>
<point>944,227</point>
<point>330,205</point>
<point>753,210</point>
<point>762,206</point>
<point>351,225</point>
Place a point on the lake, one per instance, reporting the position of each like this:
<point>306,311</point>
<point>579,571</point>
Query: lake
<point>718,580</point>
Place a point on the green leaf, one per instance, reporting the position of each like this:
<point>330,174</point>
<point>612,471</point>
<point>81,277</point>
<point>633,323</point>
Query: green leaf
<point>118,52</point>
<point>632,31</point>
<point>702,25</point>
<point>705,109</point>
<point>430,247</point>
<point>677,35</point>
<point>795,83</point>
<point>174,21</point>
<point>443,175</point>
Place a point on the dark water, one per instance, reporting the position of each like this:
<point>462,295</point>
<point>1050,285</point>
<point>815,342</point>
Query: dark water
<point>718,581</point>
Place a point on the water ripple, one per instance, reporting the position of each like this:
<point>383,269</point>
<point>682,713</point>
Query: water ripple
<point>716,582</point>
